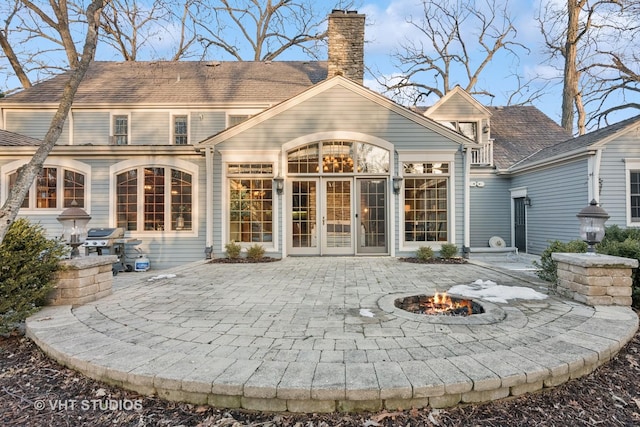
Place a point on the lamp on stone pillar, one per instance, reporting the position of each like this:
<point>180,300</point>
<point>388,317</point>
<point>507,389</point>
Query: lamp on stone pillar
<point>74,222</point>
<point>592,219</point>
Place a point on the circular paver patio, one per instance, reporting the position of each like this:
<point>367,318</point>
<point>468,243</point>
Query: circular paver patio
<point>318,334</point>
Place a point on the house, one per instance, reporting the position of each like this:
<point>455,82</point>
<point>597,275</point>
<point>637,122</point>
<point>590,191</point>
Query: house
<point>301,158</point>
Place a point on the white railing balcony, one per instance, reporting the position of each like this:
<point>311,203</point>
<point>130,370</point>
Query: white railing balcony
<point>482,154</point>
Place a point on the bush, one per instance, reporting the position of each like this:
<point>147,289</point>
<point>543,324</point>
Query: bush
<point>27,273</point>
<point>548,268</point>
<point>624,243</point>
<point>255,252</point>
<point>448,250</point>
<point>424,253</point>
<point>233,250</point>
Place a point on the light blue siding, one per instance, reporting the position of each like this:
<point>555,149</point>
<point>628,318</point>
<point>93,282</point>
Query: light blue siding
<point>35,124</point>
<point>205,124</point>
<point>557,194</point>
<point>90,128</point>
<point>490,213</point>
<point>149,128</point>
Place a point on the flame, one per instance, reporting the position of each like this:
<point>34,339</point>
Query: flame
<point>441,302</point>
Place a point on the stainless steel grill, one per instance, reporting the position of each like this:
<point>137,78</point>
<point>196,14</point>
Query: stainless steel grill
<point>103,240</point>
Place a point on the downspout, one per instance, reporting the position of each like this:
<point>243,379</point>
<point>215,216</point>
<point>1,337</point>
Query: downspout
<point>467,200</point>
<point>594,175</point>
<point>209,202</point>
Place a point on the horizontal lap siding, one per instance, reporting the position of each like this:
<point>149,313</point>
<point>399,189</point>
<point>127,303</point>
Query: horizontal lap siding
<point>35,125</point>
<point>205,124</point>
<point>345,111</point>
<point>557,194</point>
<point>91,128</point>
<point>612,172</point>
<point>490,213</point>
<point>149,128</point>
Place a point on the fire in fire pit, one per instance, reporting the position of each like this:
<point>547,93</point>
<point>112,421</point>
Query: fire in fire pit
<point>439,304</point>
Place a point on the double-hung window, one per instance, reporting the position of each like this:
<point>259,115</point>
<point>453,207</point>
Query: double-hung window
<point>180,136</point>
<point>426,202</point>
<point>120,130</point>
<point>634,196</point>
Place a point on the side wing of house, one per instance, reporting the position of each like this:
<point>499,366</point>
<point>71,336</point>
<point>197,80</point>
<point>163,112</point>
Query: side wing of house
<point>359,175</point>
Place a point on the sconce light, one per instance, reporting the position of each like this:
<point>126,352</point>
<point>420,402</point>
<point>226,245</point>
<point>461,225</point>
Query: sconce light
<point>486,129</point>
<point>527,201</point>
<point>74,222</point>
<point>397,184</point>
<point>279,182</point>
<point>592,219</point>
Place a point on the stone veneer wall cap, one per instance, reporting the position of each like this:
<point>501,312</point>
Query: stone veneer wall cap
<point>89,261</point>
<point>598,260</point>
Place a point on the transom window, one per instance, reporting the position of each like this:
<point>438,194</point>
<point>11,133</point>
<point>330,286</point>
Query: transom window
<point>250,202</point>
<point>426,202</point>
<point>468,129</point>
<point>180,130</point>
<point>54,188</point>
<point>338,157</point>
<point>154,199</point>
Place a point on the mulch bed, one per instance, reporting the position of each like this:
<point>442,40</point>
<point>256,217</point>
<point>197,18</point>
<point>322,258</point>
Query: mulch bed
<point>610,396</point>
<point>414,260</point>
<point>242,260</point>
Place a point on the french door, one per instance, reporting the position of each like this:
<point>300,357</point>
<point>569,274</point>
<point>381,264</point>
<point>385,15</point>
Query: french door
<point>337,216</point>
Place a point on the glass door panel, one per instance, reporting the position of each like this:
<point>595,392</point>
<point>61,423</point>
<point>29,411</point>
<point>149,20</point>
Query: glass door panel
<point>336,220</point>
<point>303,221</point>
<point>372,213</point>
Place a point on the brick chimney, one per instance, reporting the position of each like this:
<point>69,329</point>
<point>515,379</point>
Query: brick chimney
<point>346,45</point>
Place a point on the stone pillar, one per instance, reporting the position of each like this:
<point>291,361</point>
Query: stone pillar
<point>346,45</point>
<point>83,280</point>
<point>594,279</point>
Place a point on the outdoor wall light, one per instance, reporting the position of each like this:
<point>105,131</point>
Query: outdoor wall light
<point>527,201</point>
<point>397,184</point>
<point>592,219</point>
<point>279,183</point>
<point>74,222</point>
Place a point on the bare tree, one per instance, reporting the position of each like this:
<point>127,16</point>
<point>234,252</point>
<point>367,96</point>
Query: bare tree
<point>459,41</point>
<point>28,172</point>
<point>265,28</point>
<point>129,26</point>
<point>577,35</point>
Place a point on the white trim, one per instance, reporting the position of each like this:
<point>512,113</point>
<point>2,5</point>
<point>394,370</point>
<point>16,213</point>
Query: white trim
<point>51,162</point>
<point>157,161</point>
<point>466,158</point>
<point>593,174</point>
<point>249,156</point>
<point>629,165</point>
<point>209,157</point>
<point>412,156</point>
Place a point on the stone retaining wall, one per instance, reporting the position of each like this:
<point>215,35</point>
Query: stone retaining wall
<point>83,280</point>
<point>594,279</point>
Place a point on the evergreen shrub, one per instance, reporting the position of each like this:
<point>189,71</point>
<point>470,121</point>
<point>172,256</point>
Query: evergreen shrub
<point>233,249</point>
<point>448,250</point>
<point>424,253</point>
<point>255,252</point>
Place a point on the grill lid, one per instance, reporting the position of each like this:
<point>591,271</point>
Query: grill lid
<point>105,233</point>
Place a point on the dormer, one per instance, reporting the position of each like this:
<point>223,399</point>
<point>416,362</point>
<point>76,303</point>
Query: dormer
<point>461,112</point>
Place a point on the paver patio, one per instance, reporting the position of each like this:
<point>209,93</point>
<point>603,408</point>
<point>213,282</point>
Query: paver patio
<point>290,336</point>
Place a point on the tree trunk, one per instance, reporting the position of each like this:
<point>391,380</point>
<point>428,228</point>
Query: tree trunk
<point>28,172</point>
<point>571,74</point>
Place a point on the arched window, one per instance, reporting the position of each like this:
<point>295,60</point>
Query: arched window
<point>330,157</point>
<point>54,188</point>
<point>152,198</point>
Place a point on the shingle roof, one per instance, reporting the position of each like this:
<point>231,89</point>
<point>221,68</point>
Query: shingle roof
<point>182,82</point>
<point>520,131</point>
<point>10,139</point>
<point>582,141</point>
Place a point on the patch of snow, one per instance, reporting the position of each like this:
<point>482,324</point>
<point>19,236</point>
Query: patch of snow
<point>161,276</point>
<point>366,312</point>
<point>491,291</point>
